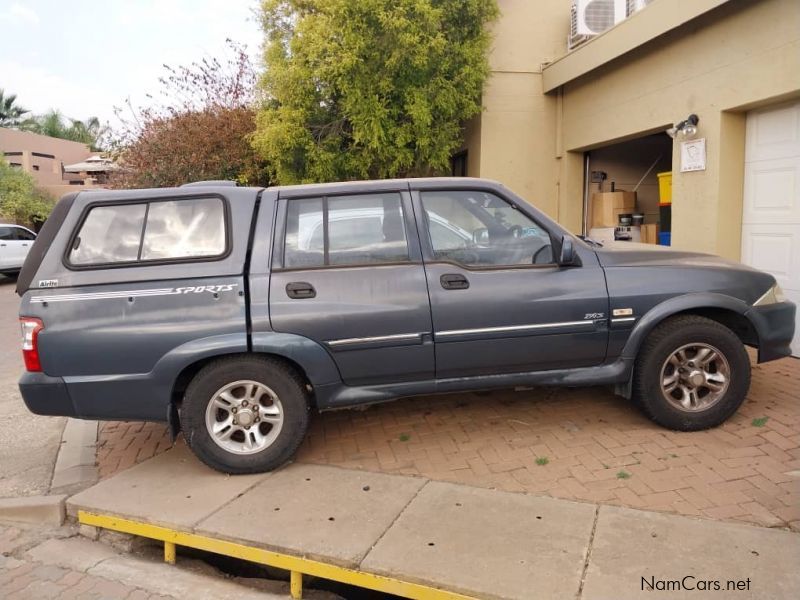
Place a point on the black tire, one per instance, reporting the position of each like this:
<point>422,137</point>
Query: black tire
<point>274,374</point>
<point>666,339</point>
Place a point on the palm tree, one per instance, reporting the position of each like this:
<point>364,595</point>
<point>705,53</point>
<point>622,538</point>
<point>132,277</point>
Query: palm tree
<point>54,124</point>
<point>10,111</point>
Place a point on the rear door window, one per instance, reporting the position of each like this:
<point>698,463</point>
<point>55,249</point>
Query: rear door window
<point>345,230</point>
<point>192,228</point>
<point>24,235</point>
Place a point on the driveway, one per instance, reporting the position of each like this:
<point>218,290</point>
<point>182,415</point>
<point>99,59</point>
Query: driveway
<point>580,444</point>
<point>28,443</point>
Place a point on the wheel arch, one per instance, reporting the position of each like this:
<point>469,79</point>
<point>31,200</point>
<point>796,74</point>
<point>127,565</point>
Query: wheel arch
<point>728,311</point>
<point>307,358</point>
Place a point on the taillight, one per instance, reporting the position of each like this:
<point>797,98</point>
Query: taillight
<point>30,342</point>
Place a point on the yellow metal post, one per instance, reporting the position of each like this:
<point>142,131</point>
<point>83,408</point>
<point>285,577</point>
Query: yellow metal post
<point>296,585</point>
<point>169,552</point>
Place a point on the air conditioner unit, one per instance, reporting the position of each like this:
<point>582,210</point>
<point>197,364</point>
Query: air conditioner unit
<point>593,17</point>
<point>636,6</point>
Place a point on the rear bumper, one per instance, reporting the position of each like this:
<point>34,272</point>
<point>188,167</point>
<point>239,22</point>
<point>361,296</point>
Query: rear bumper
<point>775,325</point>
<point>45,395</point>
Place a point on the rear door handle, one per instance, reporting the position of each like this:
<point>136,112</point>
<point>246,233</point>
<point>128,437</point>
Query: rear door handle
<point>454,281</point>
<point>300,290</point>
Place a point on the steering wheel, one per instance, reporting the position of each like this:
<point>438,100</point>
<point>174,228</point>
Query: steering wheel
<point>515,231</point>
<point>536,254</point>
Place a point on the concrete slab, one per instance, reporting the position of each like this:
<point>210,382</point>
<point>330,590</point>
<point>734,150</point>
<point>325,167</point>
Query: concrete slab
<point>75,465</point>
<point>487,543</point>
<point>33,509</point>
<point>320,512</point>
<point>173,489</point>
<point>631,545</point>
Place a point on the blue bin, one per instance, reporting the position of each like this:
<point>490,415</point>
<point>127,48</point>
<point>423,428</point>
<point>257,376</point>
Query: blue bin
<point>665,238</point>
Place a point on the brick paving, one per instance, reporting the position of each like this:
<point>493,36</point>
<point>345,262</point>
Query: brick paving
<point>582,444</point>
<point>25,579</point>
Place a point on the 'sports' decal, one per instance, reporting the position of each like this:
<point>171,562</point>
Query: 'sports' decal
<point>213,289</point>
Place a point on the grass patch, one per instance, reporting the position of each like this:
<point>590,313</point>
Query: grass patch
<point>404,437</point>
<point>623,475</point>
<point>542,460</point>
<point>759,422</point>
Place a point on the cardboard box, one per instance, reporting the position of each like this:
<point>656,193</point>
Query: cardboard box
<point>650,233</point>
<point>608,206</point>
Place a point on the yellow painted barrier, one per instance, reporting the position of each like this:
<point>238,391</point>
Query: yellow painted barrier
<point>296,565</point>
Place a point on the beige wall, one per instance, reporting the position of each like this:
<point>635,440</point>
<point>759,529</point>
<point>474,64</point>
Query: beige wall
<point>48,176</point>
<point>734,56</point>
<point>514,141</point>
<point>743,54</point>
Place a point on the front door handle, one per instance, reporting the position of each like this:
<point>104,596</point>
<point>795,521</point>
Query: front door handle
<point>454,281</point>
<point>300,290</point>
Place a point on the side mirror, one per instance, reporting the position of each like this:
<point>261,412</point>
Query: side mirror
<point>567,256</point>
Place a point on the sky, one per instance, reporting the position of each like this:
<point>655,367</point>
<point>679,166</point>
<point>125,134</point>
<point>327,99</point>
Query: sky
<point>85,57</point>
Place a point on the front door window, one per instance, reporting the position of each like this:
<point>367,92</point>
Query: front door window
<point>478,229</point>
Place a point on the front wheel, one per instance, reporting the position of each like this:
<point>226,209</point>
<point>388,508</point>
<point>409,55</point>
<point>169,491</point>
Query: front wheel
<point>692,373</point>
<point>245,414</point>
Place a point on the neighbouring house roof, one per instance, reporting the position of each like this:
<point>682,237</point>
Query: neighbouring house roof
<point>93,164</point>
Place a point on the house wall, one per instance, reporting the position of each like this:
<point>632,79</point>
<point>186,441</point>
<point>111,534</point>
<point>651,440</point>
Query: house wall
<point>48,176</point>
<point>715,58</point>
<point>514,141</point>
<point>735,57</point>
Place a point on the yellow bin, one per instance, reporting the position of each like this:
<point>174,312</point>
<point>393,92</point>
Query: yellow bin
<point>665,188</point>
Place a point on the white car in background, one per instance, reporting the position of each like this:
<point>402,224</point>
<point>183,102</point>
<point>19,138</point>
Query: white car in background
<point>15,243</point>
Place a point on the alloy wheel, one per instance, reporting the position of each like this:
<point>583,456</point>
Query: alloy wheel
<point>244,417</point>
<point>695,377</point>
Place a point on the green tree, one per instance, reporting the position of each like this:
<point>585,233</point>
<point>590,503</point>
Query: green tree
<point>55,124</point>
<point>10,111</point>
<point>20,200</point>
<point>369,89</point>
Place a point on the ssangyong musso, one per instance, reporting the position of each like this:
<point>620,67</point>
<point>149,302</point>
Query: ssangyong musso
<point>231,312</point>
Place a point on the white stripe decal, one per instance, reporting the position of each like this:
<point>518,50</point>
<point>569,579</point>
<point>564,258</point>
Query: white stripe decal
<point>105,295</point>
<point>535,326</point>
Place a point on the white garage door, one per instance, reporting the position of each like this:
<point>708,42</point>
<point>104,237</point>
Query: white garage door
<point>771,219</point>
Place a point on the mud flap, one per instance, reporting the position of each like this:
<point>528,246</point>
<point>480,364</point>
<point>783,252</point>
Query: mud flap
<point>174,421</point>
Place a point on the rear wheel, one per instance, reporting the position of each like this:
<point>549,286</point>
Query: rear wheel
<point>692,373</point>
<point>245,414</point>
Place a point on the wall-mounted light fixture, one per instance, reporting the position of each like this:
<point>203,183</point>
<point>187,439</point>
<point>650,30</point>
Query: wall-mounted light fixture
<point>686,128</point>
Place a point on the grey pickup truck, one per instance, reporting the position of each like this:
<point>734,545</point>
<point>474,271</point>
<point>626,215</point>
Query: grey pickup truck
<point>231,313</point>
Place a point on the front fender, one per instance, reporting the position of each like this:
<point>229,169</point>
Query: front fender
<point>674,306</point>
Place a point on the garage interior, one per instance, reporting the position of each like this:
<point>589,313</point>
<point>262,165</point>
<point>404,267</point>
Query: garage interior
<point>614,174</point>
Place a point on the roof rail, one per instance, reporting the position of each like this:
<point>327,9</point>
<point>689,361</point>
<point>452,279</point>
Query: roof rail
<point>212,182</point>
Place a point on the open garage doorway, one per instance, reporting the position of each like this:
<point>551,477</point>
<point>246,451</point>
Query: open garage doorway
<point>623,197</point>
